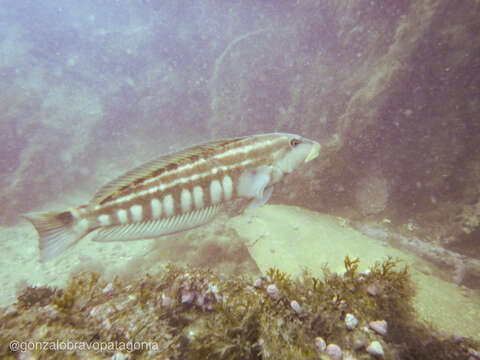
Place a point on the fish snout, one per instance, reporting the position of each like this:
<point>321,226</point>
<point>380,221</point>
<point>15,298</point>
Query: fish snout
<point>315,150</point>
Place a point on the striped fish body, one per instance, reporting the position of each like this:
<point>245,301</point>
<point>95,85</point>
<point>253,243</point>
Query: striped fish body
<point>177,192</point>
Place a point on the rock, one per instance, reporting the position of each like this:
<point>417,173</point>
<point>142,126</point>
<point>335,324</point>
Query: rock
<point>373,290</point>
<point>296,306</point>
<point>10,310</point>
<point>258,284</point>
<point>25,355</point>
<point>342,305</point>
<point>109,289</point>
<point>474,353</point>
<point>121,356</point>
<point>459,273</point>
<point>458,339</point>
<point>273,292</point>
<point>358,344</point>
<point>334,352</point>
<point>106,324</point>
<point>379,326</point>
<point>351,321</point>
<point>375,349</point>
<point>320,343</point>
<point>360,341</point>
<point>167,301</point>
<point>187,297</point>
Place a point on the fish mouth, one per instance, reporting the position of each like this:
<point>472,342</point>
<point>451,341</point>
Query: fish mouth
<point>314,152</point>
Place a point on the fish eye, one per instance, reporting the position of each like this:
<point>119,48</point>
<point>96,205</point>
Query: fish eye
<point>294,142</point>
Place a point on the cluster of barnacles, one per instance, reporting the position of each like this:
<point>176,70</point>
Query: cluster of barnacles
<point>197,291</point>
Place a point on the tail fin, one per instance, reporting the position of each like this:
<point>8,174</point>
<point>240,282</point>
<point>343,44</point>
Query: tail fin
<point>57,232</point>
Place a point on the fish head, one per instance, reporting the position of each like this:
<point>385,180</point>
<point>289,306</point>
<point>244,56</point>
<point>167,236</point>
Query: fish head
<point>296,150</point>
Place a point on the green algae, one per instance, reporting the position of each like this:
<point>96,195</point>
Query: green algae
<point>227,317</point>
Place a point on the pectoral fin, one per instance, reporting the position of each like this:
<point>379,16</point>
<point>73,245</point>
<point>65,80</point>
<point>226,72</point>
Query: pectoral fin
<point>253,185</point>
<point>252,182</point>
<point>256,202</point>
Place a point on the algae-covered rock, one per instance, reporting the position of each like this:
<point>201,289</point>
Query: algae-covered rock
<point>224,317</point>
<point>291,239</point>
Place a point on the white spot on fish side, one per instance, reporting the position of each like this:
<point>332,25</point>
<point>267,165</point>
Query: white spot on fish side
<point>122,216</point>
<point>81,227</point>
<point>168,205</point>
<point>215,191</point>
<point>137,212</point>
<point>104,220</point>
<point>186,200</point>
<point>156,206</point>
<point>214,171</point>
<point>198,197</point>
<point>227,187</point>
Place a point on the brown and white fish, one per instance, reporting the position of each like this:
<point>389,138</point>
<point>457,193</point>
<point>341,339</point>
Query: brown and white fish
<point>178,191</point>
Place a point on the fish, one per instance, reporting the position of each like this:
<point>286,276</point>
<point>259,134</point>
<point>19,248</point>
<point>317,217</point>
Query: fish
<point>177,192</point>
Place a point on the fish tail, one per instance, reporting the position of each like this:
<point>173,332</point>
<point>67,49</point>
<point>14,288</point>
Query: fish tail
<point>57,231</point>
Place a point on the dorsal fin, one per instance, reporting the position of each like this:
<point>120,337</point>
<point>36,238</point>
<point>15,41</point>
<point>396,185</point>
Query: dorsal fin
<point>155,167</point>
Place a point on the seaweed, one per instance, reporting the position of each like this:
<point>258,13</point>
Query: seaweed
<point>191,313</point>
<point>351,267</point>
<point>83,286</point>
<point>33,295</point>
<point>277,276</point>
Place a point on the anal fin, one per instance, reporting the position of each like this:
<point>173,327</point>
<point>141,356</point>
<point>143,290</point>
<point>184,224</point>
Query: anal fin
<point>156,228</point>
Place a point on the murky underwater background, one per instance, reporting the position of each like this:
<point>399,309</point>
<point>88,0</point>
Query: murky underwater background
<point>390,89</point>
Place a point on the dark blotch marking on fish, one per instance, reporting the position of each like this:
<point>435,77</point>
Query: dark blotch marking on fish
<point>168,167</point>
<point>193,158</point>
<point>136,182</point>
<point>157,172</point>
<point>65,217</point>
<point>171,167</point>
